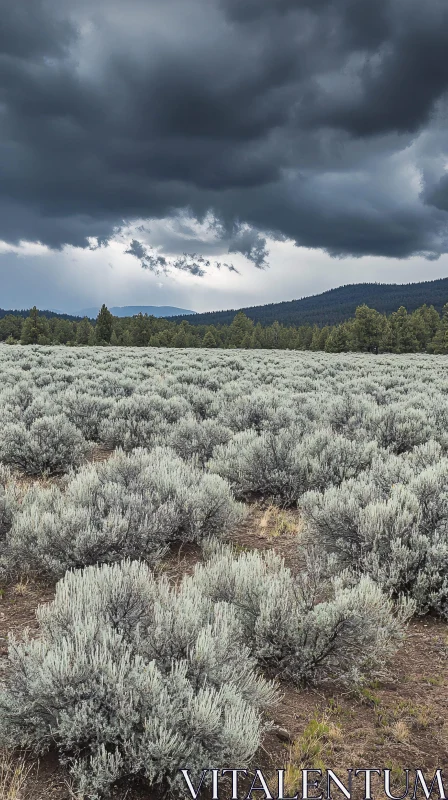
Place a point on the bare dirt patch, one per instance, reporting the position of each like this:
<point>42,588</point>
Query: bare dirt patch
<point>267,527</point>
<point>99,453</point>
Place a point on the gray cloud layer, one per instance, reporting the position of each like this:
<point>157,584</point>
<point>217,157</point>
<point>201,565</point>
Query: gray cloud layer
<point>323,121</point>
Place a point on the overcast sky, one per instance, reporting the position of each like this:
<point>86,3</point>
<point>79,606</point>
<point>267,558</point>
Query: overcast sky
<point>285,146</point>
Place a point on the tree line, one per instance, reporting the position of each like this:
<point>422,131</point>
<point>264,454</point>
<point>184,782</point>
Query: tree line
<point>421,331</point>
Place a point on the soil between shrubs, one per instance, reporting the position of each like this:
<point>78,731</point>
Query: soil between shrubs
<point>400,721</point>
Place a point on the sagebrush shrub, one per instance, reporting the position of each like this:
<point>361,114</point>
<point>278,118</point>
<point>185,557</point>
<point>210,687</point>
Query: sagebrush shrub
<point>400,429</point>
<point>86,410</point>
<point>50,445</point>
<point>396,531</point>
<point>195,439</point>
<point>128,506</point>
<point>258,411</point>
<point>307,628</point>
<point>285,465</point>
<point>133,678</point>
<point>8,503</point>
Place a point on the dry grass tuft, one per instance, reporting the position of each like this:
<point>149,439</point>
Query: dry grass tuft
<point>13,777</point>
<point>400,731</point>
<point>21,588</point>
<point>311,749</point>
<point>277,522</point>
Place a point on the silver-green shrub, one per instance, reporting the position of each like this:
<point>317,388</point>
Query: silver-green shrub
<point>129,506</point>
<point>49,445</point>
<point>196,439</point>
<point>306,628</point>
<point>259,411</point>
<point>131,678</point>
<point>391,524</point>
<point>285,465</point>
<point>399,428</point>
<point>9,497</point>
<point>86,410</point>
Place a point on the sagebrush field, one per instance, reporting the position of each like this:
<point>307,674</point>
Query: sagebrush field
<point>231,554</point>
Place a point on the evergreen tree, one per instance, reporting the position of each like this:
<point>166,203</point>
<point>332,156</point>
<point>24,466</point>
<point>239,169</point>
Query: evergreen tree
<point>314,344</point>
<point>11,326</point>
<point>209,340</point>
<point>257,340</point>
<point>337,340</point>
<point>84,332</point>
<point>139,330</point>
<point>425,322</point>
<point>323,336</point>
<point>439,343</point>
<point>127,338</point>
<point>62,331</point>
<point>181,337</point>
<point>367,329</point>
<point>273,336</point>
<point>304,337</point>
<point>35,327</point>
<point>404,339</point>
<point>104,326</point>
<point>240,327</point>
<point>387,341</point>
<point>166,338</point>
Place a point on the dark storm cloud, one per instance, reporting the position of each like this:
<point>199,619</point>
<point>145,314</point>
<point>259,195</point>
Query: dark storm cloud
<point>252,245</point>
<point>291,118</point>
<point>438,196</point>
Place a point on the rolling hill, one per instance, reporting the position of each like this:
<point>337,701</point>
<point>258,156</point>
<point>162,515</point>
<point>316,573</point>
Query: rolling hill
<point>336,305</point>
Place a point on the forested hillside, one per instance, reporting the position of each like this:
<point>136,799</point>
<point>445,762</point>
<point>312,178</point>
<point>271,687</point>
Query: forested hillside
<point>23,313</point>
<point>337,305</point>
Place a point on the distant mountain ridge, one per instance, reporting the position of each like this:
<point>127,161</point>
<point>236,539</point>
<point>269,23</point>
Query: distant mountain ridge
<point>131,311</point>
<point>337,305</point>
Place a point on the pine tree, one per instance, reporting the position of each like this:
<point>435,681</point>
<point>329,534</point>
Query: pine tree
<point>403,337</point>
<point>387,340</point>
<point>439,343</point>
<point>425,323</point>
<point>209,340</point>
<point>181,337</point>
<point>337,340</point>
<point>11,326</point>
<point>139,330</point>
<point>35,327</point>
<point>104,326</point>
<point>166,338</point>
<point>83,332</point>
<point>304,337</point>
<point>314,344</point>
<point>323,336</point>
<point>240,327</point>
<point>367,329</point>
<point>62,331</point>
